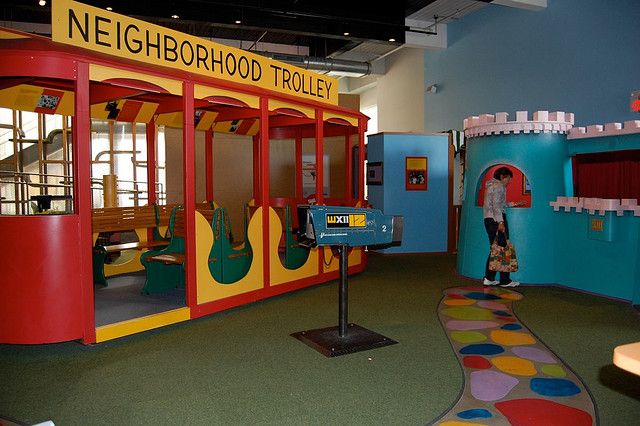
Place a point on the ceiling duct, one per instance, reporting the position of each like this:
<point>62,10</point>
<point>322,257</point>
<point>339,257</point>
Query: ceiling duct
<point>329,65</point>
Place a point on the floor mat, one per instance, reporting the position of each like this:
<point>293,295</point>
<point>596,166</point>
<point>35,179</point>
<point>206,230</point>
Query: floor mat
<point>123,299</point>
<point>511,378</point>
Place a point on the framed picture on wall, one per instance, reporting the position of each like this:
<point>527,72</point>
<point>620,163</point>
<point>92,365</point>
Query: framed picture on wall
<point>526,186</point>
<point>416,176</point>
<point>374,173</point>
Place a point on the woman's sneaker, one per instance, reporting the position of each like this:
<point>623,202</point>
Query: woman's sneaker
<point>511,284</point>
<point>489,282</point>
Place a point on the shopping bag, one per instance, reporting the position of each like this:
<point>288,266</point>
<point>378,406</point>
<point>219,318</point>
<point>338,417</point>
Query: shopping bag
<point>503,258</point>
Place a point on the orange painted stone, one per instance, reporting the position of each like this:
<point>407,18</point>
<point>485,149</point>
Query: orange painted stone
<point>511,338</point>
<point>514,365</point>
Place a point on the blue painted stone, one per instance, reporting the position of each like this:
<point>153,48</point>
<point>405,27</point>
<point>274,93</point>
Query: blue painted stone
<point>502,313</point>
<point>511,326</point>
<point>478,295</point>
<point>482,349</point>
<point>475,413</point>
<point>554,387</point>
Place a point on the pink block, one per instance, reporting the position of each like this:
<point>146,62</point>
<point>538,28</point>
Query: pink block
<point>632,124</point>
<point>556,116</point>
<point>522,116</point>
<point>541,116</point>
<point>589,204</point>
<point>574,201</point>
<point>595,129</point>
<point>609,203</point>
<point>502,117</point>
<point>578,131</point>
<point>486,119</point>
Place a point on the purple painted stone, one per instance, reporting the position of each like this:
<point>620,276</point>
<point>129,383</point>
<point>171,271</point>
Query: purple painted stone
<point>534,354</point>
<point>490,304</point>
<point>470,325</point>
<point>487,385</point>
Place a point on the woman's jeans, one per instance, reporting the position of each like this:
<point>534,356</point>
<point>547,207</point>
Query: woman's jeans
<point>492,228</point>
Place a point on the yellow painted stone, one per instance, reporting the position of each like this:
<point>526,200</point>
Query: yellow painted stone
<point>459,302</point>
<point>512,338</point>
<point>514,365</point>
<point>468,336</point>
<point>554,370</point>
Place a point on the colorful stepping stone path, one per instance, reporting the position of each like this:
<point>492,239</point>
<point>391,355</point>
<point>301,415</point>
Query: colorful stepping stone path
<point>511,378</point>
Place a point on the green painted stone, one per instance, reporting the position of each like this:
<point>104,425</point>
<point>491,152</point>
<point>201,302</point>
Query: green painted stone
<point>468,336</point>
<point>468,313</point>
<point>554,370</point>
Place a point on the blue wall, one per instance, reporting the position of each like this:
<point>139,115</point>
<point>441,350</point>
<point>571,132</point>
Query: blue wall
<point>425,212</point>
<point>580,56</point>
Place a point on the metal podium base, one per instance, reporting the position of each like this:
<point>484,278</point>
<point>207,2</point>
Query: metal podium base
<point>328,342</point>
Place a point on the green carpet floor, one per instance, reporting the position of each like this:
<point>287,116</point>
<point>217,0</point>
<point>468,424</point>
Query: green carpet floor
<point>242,367</point>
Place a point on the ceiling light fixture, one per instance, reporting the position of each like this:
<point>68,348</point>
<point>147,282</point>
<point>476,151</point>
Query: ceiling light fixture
<point>237,21</point>
<point>42,3</point>
<point>109,8</point>
<point>346,33</point>
<point>175,16</point>
<point>392,40</point>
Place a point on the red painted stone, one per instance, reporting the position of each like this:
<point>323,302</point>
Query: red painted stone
<point>536,412</point>
<point>455,296</point>
<point>475,361</point>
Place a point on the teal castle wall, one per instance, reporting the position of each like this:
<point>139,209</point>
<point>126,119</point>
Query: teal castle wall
<point>553,247</point>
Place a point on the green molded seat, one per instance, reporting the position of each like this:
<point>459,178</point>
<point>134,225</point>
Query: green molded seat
<point>99,257</point>
<point>294,255</point>
<point>162,277</point>
<point>227,264</point>
<point>156,231</point>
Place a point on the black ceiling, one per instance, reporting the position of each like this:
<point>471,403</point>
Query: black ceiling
<point>318,25</point>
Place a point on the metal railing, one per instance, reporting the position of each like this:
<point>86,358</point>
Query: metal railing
<point>21,184</point>
<point>138,190</point>
<point>16,188</point>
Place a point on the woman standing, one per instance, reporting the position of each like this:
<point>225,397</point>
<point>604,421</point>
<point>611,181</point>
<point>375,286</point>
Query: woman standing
<point>495,221</point>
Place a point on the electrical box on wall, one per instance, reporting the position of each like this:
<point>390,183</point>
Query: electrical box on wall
<point>600,227</point>
<point>635,101</point>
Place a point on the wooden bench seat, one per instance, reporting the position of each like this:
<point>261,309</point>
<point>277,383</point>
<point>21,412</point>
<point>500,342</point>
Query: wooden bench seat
<point>134,245</point>
<point>125,219</point>
<point>168,259</point>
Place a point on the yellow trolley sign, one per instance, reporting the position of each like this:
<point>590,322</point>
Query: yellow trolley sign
<point>102,31</point>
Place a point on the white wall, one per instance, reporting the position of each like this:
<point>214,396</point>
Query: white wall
<point>400,93</point>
